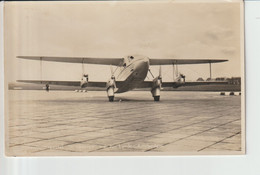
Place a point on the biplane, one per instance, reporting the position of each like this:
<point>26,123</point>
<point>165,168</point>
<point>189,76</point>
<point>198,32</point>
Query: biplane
<point>132,72</point>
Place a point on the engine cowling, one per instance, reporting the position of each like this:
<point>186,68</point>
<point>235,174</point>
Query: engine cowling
<point>111,85</point>
<point>157,86</point>
<point>84,81</point>
<point>180,81</point>
<point>157,82</point>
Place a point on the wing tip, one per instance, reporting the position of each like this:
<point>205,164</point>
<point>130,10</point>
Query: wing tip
<point>218,61</point>
<point>224,60</point>
<point>27,57</point>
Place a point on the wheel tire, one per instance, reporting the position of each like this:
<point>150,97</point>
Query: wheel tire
<point>111,98</point>
<point>156,98</point>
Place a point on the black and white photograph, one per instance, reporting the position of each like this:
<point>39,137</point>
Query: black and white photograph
<point>124,78</point>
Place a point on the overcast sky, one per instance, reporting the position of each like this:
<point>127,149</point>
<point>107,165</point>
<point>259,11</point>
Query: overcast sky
<point>116,29</point>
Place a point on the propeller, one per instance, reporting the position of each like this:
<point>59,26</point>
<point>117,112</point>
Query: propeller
<point>183,77</point>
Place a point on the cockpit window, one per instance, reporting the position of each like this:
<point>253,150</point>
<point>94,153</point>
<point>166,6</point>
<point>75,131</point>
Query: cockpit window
<point>130,58</point>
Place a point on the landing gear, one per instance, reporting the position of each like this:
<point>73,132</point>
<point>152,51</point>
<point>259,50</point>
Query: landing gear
<point>84,81</point>
<point>156,98</point>
<point>110,93</point>
<point>157,86</point>
<point>47,87</point>
<point>156,93</point>
<point>111,98</point>
<point>111,85</point>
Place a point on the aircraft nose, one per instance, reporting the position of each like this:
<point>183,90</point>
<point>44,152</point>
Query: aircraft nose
<point>142,65</point>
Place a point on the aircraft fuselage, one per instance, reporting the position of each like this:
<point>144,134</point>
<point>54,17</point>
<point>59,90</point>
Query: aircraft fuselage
<point>133,72</point>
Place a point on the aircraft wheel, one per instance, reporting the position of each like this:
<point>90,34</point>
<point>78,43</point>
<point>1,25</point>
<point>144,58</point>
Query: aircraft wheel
<point>156,98</point>
<point>111,98</point>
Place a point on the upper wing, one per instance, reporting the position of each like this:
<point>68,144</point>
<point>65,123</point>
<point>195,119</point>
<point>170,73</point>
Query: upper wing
<point>155,61</point>
<point>119,61</point>
<point>84,60</point>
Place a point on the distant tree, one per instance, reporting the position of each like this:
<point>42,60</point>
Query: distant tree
<point>200,79</point>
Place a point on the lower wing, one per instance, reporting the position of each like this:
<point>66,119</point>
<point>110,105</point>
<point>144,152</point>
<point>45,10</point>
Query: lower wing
<point>145,84</point>
<point>65,83</point>
<point>149,84</point>
<point>98,84</point>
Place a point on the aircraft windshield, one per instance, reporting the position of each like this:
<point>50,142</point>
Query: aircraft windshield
<point>130,58</point>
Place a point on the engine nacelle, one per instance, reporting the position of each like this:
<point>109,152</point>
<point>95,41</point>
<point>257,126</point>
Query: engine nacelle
<point>180,81</point>
<point>157,82</point>
<point>157,86</point>
<point>181,78</point>
<point>111,85</point>
<point>156,92</point>
<point>84,81</point>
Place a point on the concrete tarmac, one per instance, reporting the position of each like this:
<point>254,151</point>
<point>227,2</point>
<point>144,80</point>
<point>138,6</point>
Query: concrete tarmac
<point>73,123</point>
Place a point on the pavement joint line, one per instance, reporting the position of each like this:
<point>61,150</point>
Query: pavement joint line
<point>114,145</point>
<point>28,142</point>
<point>89,139</point>
<point>220,141</point>
<point>166,123</point>
<point>192,135</point>
<point>124,142</point>
<point>195,123</point>
<point>136,139</point>
<point>129,141</point>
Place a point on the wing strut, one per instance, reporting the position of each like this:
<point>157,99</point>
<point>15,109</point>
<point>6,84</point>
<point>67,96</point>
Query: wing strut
<point>210,73</point>
<point>150,72</point>
<point>175,72</point>
<point>83,68</point>
<point>41,66</point>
